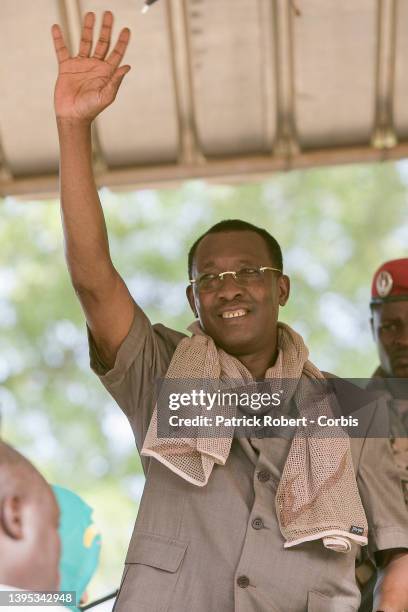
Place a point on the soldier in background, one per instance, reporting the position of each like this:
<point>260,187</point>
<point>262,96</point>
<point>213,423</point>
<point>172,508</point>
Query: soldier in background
<point>389,324</point>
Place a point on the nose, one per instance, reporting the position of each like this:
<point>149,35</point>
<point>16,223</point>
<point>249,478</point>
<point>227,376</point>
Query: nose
<point>229,288</point>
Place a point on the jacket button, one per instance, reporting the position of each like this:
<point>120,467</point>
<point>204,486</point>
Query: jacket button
<point>263,476</point>
<point>257,523</point>
<point>243,582</point>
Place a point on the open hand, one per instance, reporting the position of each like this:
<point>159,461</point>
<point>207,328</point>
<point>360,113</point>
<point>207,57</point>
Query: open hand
<point>87,84</point>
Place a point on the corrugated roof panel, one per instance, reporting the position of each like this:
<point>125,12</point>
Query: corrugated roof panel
<point>401,72</point>
<point>27,76</point>
<point>217,77</point>
<point>335,59</point>
<point>142,126</point>
<point>228,59</point>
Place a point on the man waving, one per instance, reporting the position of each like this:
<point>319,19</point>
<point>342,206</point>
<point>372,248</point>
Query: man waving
<point>250,524</point>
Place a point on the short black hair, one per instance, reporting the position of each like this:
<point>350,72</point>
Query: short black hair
<point>237,225</point>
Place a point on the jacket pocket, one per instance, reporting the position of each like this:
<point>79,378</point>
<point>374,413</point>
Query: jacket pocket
<point>153,563</point>
<point>317,602</point>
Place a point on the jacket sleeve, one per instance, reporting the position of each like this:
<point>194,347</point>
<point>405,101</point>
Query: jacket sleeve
<point>380,488</point>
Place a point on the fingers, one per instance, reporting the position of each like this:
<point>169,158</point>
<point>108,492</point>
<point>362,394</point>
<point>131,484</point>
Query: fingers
<point>102,46</point>
<point>115,58</point>
<point>85,45</point>
<point>61,51</point>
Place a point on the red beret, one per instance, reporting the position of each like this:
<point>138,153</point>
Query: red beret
<point>390,282</point>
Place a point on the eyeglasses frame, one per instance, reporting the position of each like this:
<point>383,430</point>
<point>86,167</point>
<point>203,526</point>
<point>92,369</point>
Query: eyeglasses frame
<point>193,281</point>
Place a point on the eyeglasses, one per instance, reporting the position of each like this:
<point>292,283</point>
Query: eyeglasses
<point>243,278</point>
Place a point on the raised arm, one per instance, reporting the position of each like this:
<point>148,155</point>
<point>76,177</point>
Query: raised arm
<point>86,85</point>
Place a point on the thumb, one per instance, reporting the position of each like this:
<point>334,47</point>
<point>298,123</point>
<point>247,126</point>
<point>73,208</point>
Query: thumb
<point>118,76</point>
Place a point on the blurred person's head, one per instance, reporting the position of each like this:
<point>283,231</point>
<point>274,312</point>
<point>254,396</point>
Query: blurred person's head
<point>29,517</point>
<point>389,316</point>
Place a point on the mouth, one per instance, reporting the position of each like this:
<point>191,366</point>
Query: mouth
<point>399,364</point>
<point>234,314</point>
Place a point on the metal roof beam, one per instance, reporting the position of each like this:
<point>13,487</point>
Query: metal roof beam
<point>5,172</point>
<point>179,33</point>
<point>267,26</point>
<point>235,169</point>
<point>71,16</point>
<point>287,142</point>
<point>384,135</point>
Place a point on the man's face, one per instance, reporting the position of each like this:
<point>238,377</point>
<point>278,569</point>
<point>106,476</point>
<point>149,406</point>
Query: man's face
<point>390,329</point>
<point>257,304</point>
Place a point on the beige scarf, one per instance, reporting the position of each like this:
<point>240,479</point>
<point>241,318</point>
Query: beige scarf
<point>317,497</point>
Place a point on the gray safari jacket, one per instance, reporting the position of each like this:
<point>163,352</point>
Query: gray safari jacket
<point>218,548</point>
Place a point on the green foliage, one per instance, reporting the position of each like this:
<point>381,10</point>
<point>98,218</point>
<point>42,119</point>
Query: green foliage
<point>335,226</point>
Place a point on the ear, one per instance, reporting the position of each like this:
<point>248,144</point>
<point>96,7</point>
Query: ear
<point>11,517</point>
<point>191,300</point>
<point>284,289</point>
